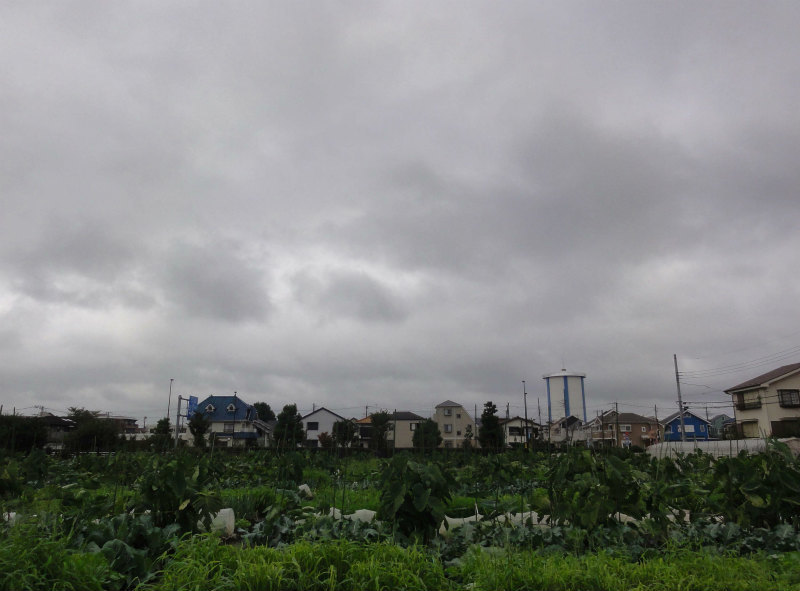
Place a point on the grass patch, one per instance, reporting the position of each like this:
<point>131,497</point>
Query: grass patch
<point>205,563</point>
<point>29,561</point>
<point>491,569</point>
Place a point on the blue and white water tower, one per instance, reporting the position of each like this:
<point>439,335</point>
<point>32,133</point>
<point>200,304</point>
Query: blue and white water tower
<point>565,395</point>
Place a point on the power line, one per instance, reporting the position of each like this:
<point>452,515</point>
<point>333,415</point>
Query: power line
<point>743,365</point>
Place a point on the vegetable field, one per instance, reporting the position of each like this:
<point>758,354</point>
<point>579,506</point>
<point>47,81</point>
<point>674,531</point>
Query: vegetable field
<point>457,520</point>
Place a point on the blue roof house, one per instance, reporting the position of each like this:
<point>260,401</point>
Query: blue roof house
<point>233,421</point>
<point>697,428</point>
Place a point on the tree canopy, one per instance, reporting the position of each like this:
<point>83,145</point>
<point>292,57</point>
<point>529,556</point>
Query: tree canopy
<point>427,436</point>
<point>199,425</point>
<point>381,422</point>
<point>265,413</point>
<point>491,432</point>
<point>289,431</point>
<point>92,432</point>
<point>344,433</point>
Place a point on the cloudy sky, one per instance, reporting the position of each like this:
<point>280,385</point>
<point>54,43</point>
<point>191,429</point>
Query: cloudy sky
<point>362,203</point>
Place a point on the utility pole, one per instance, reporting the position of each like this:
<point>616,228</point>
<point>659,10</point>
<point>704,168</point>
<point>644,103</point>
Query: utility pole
<point>177,420</point>
<point>616,434</point>
<point>525,402</point>
<point>680,400</point>
<point>658,427</point>
<point>169,400</point>
<point>394,432</point>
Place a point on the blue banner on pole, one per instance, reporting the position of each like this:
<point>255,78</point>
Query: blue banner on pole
<point>191,407</point>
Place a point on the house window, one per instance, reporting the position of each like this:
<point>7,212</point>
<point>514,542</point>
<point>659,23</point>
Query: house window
<point>514,431</point>
<point>644,429</point>
<point>625,428</point>
<point>702,428</point>
<point>231,407</point>
<point>458,415</point>
<point>413,426</point>
<point>227,428</point>
<point>689,428</point>
<point>312,426</point>
<point>448,412</point>
<point>789,398</point>
<point>750,429</point>
<point>748,400</point>
<point>210,408</point>
<point>458,433</point>
<point>448,428</point>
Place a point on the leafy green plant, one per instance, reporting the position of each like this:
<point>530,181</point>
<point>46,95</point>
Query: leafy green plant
<point>413,497</point>
<point>175,490</point>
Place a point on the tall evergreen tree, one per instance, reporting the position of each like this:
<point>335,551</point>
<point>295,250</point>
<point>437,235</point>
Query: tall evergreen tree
<point>199,425</point>
<point>289,431</point>
<point>381,421</point>
<point>490,435</point>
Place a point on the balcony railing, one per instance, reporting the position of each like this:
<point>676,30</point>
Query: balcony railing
<point>750,405</point>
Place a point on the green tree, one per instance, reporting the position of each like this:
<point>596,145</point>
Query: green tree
<point>92,432</point>
<point>468,437</point>
<point>381,421</point>
<point>344,433</point>
<point>161,439</point>
<point>491,432</point>
<point>427,436</point>
<point>22,433</point>
<point>199,425</point>
<point>289,431</point>
<point>265,413</point>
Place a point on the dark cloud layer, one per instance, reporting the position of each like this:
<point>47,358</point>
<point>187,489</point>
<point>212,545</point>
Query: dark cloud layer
<point>374,204</point>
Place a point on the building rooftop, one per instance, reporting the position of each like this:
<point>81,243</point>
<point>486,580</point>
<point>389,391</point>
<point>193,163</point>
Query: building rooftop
<point>766,377</point>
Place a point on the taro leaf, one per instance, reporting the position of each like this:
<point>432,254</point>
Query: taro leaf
<point>421,497</point>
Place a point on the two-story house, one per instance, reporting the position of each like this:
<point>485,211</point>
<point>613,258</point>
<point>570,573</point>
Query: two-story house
<point>234,422</point>
<point>697,428</point>
<point>453,421</point>
<point>317,422</point>
<point>402,428</point>
<point>516,431</point>
<point>769,405</point>
<point>622,429</point>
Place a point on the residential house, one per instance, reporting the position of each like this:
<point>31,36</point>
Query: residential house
<point>719,426</point>
<point>57,429</point>
<point>769,405</point>
<point>234,422</point>
<point>453,421</point>
<point>622,429</point>
<point>402,428</point>
<point>317,422</point>
<point>514,431</point>
<point>565,430</point>
<point>697,428</point>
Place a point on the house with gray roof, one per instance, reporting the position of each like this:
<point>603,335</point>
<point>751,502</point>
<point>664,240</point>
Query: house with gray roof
<point>768,405</point>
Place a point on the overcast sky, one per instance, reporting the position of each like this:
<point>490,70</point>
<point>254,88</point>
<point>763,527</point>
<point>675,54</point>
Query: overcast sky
<point>355,204</point>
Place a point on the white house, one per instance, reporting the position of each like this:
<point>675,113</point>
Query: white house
<point>514,430</point>
<point>317,422</point>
